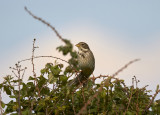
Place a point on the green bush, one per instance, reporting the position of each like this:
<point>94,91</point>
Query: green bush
<point>49,94</point>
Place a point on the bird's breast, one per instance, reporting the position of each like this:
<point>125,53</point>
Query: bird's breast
<point>86,61</point>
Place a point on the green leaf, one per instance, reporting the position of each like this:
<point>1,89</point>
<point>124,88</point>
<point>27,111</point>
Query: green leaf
<point>1,85</point>
<point>157,87</point>
<point>31,78</point>
<point>2,104</point>
<point>26,112</point>
<point>42,81</point>
<point>63,79</point>
<point>43,71</point>
<point>30,84</point>
<point>12,96</point>
<point>40,113</point>
<point>129,113</point>
<point>7,90</point>
<point>15,81</point>
<point>68,70</point>
<point>74,54</point>
<point>51,78</point>
<point>55,70</point>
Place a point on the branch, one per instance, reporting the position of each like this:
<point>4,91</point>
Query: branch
<point>129,101</point>
<point>100,89</point>
<point>46,23</point>
<point>153,97</point>
<point>124,67</point>
<point>73,107</point>
<point>33,68</point>
<point>18,75</point>
<point>1,110</point>
<point>43,57</point>
<point>100,76</point>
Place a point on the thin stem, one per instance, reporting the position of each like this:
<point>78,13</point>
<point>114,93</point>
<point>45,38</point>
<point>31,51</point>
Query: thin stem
<point>43,57</point>
<point>33,68</point>
<point>153,97</point>
<point>46,23</point>
<point>129,101</point>
<point>1,104</point>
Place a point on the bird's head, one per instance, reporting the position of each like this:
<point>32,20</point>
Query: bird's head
<point>82,46</point>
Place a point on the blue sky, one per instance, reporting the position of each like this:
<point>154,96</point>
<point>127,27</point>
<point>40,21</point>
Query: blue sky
<point>116,30</point>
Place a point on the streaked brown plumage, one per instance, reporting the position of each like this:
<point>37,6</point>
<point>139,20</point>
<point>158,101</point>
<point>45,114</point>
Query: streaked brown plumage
<point>86,63</point>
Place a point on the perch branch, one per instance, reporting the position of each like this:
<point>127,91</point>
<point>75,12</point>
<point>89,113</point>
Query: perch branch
<point>100,89</point>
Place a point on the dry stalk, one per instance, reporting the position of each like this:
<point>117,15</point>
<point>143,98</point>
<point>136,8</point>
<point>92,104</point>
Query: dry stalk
<point>44,22</point>
<point>129,101</point>
<point>1,109</point>
<point>124,67</point>
<point>83,95</point>
<point>18,75</point>
<point>43,57</point>
<point>73,105</point>
<point>153,97</point>
<point>33,68</point>
<point>19,83</point>
<point>137,107</point>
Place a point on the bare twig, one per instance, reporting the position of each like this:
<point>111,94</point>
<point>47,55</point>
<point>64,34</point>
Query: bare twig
<point>129,101</point>
<point>137,107</point>
<point>100,76</point>
<point>83,94</point>
<point>32,59</point>
<point>46,23</point>
<point>153,97</point>
<point>73,104</point>
<point>33,68</point>
<point>14,74</point>
<point>87,103</point>
<point>32,103</point>
<point>18,75</point>
<point>43,57</point>
<point>19,88</point>
<point>1,104</point>
<point>23,72</point>
<point>133,81</point>
<point>124,67</point>
<point>136,80</point>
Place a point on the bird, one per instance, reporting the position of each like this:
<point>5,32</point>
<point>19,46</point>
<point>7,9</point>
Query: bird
<point>86,64</point>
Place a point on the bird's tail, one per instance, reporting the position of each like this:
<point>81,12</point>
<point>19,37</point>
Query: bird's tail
<point>78,80</point>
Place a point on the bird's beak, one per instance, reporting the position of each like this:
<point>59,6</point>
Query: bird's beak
<point>77,45</point>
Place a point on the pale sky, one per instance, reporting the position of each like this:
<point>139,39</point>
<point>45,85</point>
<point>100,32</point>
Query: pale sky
<point>117,31</point>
